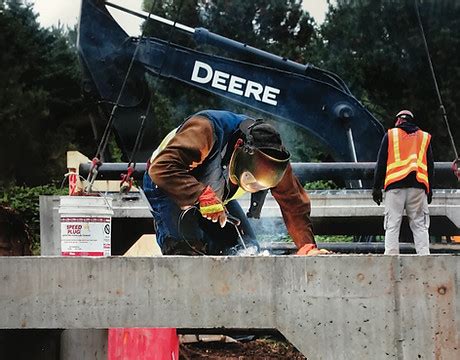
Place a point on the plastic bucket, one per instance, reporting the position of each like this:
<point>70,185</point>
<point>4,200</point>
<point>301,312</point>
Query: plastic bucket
<point>86,225</point>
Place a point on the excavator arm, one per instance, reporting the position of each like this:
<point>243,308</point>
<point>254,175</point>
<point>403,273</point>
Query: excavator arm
<point>314,99</point>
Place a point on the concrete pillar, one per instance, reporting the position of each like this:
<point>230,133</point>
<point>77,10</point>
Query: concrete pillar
<point>84,344</point>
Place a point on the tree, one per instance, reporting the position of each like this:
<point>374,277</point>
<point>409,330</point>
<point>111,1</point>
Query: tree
<point>277,26</point>
<point>376,46</point>
<point>39,98</point>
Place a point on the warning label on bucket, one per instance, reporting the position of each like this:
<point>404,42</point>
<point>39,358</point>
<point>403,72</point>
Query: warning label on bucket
<point>85,236</point>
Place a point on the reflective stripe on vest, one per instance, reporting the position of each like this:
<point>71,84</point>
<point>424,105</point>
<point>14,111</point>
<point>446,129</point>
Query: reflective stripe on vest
<point>163,144</point>
<point>239,193</point>
<point>407,153</point>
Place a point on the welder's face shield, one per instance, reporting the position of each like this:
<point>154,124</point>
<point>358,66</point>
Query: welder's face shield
<point>256,169</point>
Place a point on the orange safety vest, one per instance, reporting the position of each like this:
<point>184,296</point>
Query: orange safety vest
<point>407,153</point>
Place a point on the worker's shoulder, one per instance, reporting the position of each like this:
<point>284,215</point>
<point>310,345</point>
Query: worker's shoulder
<point>198,120</point>
<point>198,125</point>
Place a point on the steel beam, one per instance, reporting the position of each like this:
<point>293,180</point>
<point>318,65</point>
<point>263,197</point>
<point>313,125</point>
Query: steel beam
<point>354,307</point>
<point>285,248</point>
<point>304,171</point>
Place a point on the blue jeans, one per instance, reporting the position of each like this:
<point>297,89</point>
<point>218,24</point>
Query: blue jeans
<point>187,232</point>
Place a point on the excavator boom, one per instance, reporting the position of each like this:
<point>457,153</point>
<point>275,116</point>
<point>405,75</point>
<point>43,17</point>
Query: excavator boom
<point>314,99</point>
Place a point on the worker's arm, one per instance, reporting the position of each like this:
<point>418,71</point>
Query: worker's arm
<point>295,206</point>
<point>170,170</point>
<point>381,164</point>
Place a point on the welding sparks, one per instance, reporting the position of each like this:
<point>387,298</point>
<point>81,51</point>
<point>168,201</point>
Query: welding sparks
<point>252,251</point>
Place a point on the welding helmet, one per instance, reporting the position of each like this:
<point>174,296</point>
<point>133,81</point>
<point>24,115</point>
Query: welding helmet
<point>259,159</point>
<point>405,115</point>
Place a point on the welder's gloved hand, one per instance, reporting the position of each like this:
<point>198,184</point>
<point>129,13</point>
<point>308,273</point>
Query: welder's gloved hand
<point>211,206</point>
<point>312,250</point>
<point>377,195</point>
<point>429,197</point>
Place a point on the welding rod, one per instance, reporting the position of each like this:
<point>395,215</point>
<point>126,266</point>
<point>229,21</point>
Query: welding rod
<point>235,222</point>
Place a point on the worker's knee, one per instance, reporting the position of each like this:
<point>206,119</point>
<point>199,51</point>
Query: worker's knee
<point>420,222</point>
<point>391,222</point>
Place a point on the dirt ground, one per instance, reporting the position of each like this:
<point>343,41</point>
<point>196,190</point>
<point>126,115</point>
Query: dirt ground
<point>259,349</point>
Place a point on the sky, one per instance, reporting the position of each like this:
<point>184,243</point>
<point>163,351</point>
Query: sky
<point>66,12</point>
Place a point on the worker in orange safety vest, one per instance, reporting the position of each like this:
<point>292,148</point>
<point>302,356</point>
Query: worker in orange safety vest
<point>405,169</point>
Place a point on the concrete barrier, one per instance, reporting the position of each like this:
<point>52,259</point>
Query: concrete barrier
<point>331,307</point>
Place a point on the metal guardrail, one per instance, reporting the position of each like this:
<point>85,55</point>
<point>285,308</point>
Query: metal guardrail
<point>306,172</point>
<point>285,248</point>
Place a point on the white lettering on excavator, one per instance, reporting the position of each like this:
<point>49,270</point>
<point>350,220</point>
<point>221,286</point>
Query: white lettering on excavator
<point>219,80</point>
<point>203,73</point>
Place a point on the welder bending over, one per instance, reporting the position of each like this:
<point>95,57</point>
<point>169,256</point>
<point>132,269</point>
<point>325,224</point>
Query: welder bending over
<point>201,167</point>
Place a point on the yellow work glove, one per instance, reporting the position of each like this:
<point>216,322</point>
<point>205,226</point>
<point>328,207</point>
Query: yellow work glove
<point>211,206</point>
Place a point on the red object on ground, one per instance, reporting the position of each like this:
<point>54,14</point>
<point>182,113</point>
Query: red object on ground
<point>143,343</point>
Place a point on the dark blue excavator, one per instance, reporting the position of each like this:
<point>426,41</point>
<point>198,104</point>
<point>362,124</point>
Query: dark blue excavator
<point>314,99</point>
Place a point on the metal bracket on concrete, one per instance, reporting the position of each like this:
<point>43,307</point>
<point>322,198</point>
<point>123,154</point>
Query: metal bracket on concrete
<point>347,307</point>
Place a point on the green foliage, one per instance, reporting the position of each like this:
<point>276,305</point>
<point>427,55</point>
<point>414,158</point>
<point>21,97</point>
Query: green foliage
<point>40,102</point>
<point>270,238</point>
<point>278,26</point>
<point>318,238</point>
<point>377,47</point>
<point>333,238</point>
<point>25,200</point>
<point>115,150</point>
<point>320,185</point>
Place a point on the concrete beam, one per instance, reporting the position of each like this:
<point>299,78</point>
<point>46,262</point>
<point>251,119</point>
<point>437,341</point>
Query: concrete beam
<point>325,203</point>
<point>352,307</point>
<point>333,212</point>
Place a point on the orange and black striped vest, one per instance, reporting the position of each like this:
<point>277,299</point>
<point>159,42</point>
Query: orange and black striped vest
<point>407,153</point>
